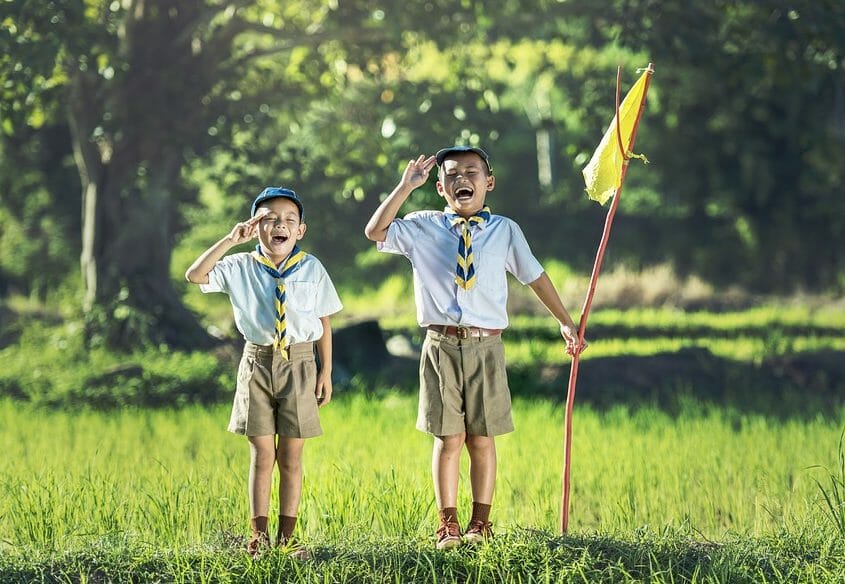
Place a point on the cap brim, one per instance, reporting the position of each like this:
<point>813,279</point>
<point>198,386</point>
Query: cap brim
<point>264,198</point>
<point>441,155</point>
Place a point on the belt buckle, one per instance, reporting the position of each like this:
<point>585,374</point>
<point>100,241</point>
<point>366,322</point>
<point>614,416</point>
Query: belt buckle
<point>462,332</point>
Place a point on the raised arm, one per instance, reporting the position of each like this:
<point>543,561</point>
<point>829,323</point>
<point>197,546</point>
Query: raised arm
<point>415,175</point>
<point>241,233</point>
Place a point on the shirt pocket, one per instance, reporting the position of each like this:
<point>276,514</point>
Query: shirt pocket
<point>490,272</point>
<point>301,296</point>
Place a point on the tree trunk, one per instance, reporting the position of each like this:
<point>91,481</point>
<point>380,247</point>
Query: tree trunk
<point>127,234</point>
<point>129,296</point>
<point>129,131</point>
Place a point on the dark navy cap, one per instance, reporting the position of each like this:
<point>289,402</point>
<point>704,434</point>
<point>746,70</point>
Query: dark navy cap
<point>442,154</point>
<point>277,193</point>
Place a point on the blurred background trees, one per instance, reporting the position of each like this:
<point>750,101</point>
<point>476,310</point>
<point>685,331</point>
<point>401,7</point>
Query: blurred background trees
<point>133,128</point>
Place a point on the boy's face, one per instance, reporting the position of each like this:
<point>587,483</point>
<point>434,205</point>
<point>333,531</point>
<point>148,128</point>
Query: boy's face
<point>464,181</point>
<point>279,228</point>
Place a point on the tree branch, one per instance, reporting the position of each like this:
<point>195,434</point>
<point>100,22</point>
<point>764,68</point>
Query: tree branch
<point>206,16</point>
<point>359,37</point>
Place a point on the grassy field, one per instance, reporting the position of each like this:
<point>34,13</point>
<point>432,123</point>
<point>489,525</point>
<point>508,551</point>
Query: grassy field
<point>745,336</point>
<point>731,471</point>
<point>706,496</point>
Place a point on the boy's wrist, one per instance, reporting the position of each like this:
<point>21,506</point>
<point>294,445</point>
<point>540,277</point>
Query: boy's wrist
<point>404,189</point>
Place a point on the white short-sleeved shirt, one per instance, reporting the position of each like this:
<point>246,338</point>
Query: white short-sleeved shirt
<point>309,295</point>
<point>430,242</point>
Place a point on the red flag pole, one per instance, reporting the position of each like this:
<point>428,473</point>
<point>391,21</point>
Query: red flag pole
<point>585,311</point>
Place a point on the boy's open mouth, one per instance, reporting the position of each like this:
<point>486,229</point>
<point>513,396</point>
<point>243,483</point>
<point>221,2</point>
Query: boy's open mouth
<point>279,239</point>
<point>463,193</point>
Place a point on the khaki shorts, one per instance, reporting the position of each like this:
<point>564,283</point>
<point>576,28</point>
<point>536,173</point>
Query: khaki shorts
<point>275,395</point>
<point>463,386</point>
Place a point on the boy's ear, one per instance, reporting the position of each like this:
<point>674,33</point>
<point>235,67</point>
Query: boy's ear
<point>300,231</point>
<point>439,186</point>
<point>491,182</point>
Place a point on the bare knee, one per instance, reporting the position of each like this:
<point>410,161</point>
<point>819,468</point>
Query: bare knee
<point>289,464</point>
<point>480,445</point>
<point>263,453</point>
<point>450,445</point>
<point>289,454</point>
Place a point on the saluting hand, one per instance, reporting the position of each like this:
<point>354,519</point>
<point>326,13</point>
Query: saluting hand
<point>247,230</point>
<point>416,172</point>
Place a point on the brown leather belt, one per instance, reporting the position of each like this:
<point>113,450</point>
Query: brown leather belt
<point>464,332</point>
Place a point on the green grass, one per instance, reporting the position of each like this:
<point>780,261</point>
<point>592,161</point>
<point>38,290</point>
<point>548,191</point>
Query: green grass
<point>747,336</point>
<point>695,491</point>
<point>48,363</point>
<point>50,366</point>
<point>705,496</point>
<point>744,349</point>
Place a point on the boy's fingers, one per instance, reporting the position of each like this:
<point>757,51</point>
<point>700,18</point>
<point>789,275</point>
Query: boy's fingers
<point>323,397</point>
<point>257,217</point>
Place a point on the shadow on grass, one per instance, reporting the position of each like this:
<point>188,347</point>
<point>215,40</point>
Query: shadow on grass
<point>522,555</point>
<point>789,385</point>
<point>798,385</point>
<point>802,385</point>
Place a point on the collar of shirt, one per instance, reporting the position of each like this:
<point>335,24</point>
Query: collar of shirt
<point>457,227</point>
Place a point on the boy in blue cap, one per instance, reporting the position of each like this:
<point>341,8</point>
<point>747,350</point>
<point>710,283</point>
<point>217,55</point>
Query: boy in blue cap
<point>460,257</point>
<point>282,299</point>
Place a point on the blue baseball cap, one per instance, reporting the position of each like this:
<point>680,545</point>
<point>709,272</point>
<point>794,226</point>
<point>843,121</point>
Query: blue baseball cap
<point>277,193</point>
<point>442,154</point>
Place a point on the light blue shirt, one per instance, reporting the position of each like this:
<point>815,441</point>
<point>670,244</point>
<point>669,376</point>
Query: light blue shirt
<point>309,295</point>
<point>428,240</point>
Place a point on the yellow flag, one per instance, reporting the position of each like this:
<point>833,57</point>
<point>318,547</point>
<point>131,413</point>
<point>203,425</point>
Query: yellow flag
<point>603,174</point>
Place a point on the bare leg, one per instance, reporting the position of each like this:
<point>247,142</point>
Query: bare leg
<point>446,468</point>
<point>289,457</point>
<point>262,450</point>
<point>482,467</point>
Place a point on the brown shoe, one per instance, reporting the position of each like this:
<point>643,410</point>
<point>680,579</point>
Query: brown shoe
<point>257,544</point>
<point>448,535</point>
<point>478,531</point>
<point>260,540</point>
<point>294,549</point>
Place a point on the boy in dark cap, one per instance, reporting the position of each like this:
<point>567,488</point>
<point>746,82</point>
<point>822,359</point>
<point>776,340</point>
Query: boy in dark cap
<point>282,298</point>
<point>460,257</point>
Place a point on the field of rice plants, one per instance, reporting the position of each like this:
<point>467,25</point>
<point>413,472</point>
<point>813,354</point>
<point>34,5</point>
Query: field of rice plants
<point>739,476</point>
<point>162,495</point>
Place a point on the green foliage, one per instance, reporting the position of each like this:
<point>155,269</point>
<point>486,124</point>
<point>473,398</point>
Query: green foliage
<point>40,235</point>
<point>748,80</point>
<point>743,126</point>
<point>388,297</point>
<point>50,366</point>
